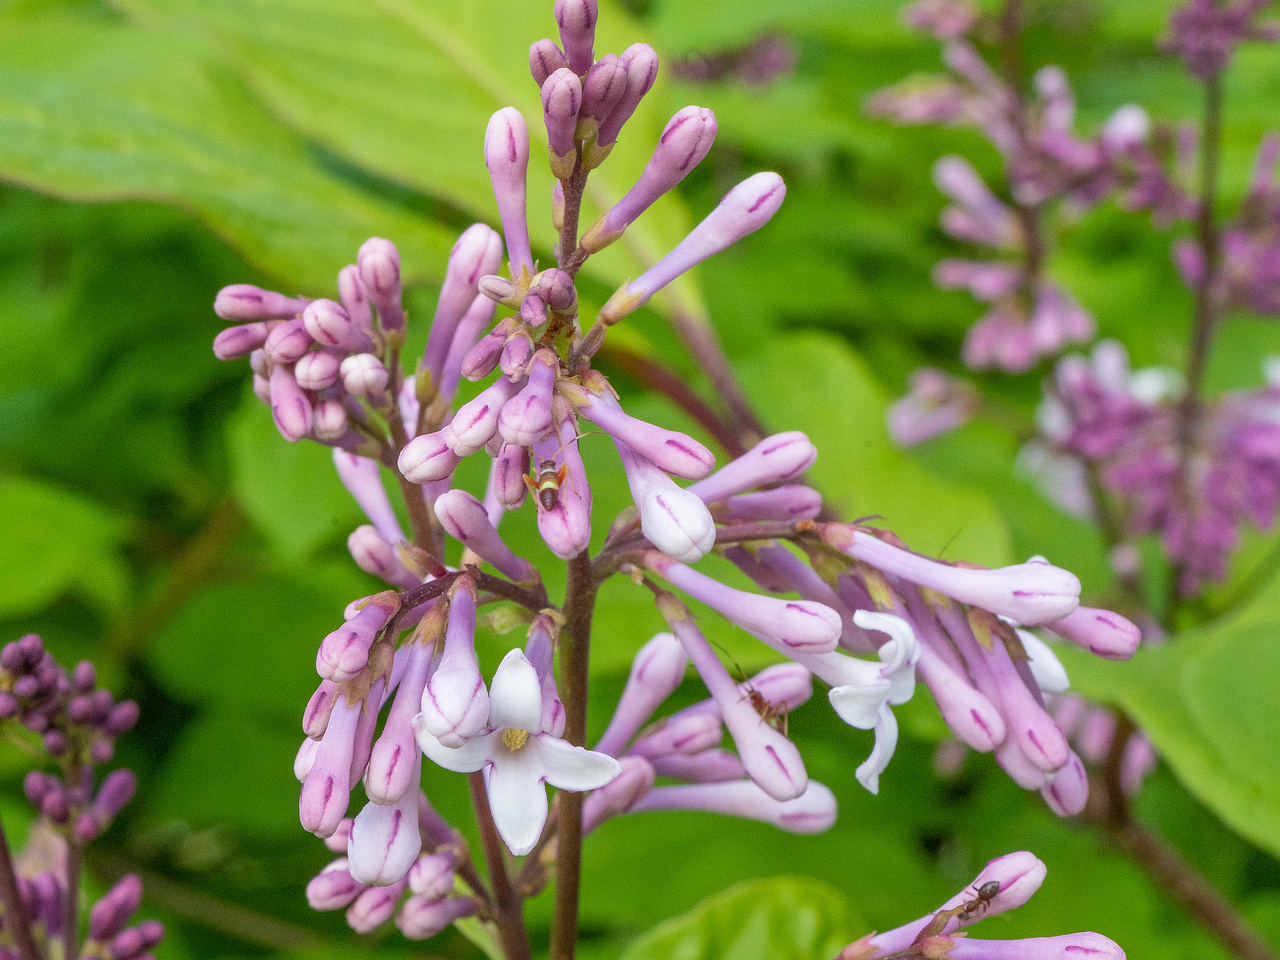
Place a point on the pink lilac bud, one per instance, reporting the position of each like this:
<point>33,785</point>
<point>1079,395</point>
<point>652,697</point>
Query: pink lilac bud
<point>1068,792</point>
<point>477,252</point>
<point>374,555</point>
<point>476,421</point>
<point>783,456</point>
<point>980,216</point>
<point>327,789</point>
<point>539,650</point>
<point>455,703</point>
<point>605,85</point>
<point>674,452</point>
<point>545,59</point>
<point>316,370</point>
<point>1139,759</point>
<point>681,733</point>
<point>770,759</point>
<point>684,142</point>
<point>136,941</point>
<point>971,716</point>
<point>656,671</point>
<point>394,760</point>
<point>761,574</point>
<point>577,22</point>
<point>517,352</point>
<point>385,841</point>
<point>354,298</point>
<point>345,651</point>
<point>526,417</point>
<point>333,887</point>
<point>464,518</point>
<point>427,459</point>
<point>243,301</point>
<point>467,338</point>
<point>618,795</point>
<point>507,476</point>
<point>375,906</point>
<point>364,376</point>
<point>986,280</point>
<point>290,408</point>
<point>1071,946</point>
<point>236,342</point>
<point>379,265</point>
<point>556,289</point>
<point>362,476</point>
<point>812,812</point>
<point>338,841</point>
<point>330,324</point>
<point>745,209</point>
<point>787,503</point>
<point>315,718</point>
<point>795,626</point>
<point>561,98</point>
<point>481,359</point>
<point>566,527</point>
<point>1019,766</point>
<point>431,876</point>
<point>641,66</point>
<point>116,791</point>
<point>421,918</point>
<point>506,154</point>
<point>1099,631</point>
<point>675,521</point>
<point>110,914</point>
<point>1031,593</point>
<point>709,766</point>
<point>288,342</point>
<point>533,310</point>
<point>329,422</point>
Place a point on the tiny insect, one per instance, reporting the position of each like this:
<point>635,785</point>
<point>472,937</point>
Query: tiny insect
<point>984,895</point>
<point>774,714</point>
<point>544,483</point>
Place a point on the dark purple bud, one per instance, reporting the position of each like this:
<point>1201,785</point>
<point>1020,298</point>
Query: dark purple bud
<point>121,718</point>
<point>545,59</point>
<point>85,676</point>
<point>101,703</point>
<point>55,741</point>
<point>288,341</point>
<point>136,940</point>
<point>561,97</point>
<point>112,912</point>
<point>601,91</point>
<point>11,657</point>
<point>116,791</point>
<point>80,710</point>
<point>32,648</point>
<point>555,288</point>
<point>577,21</point>
<point>243,301</point>
<point>641,64</point>
<point>236,342</point>
<point>35,721</point>
<point>26,687</point>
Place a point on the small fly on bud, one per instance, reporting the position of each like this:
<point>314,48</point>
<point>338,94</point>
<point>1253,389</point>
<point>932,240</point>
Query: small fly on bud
<point>545,482</point>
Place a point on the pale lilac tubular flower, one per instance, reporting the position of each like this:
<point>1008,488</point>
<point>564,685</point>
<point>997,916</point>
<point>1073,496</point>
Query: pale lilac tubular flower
<point>506,154</point>
<point>979,216</point>
<point>619,795</point>
<point>675,521</point>
<point>672,451</point>
<point>243,301</point>
<point>344,653</point>
<point>477,252</point>
<point>473,426</point>
<point>385,840</point>
<point>708,766</point>
<point>427,459</point>
<point>290,408</point>
<point>1070,946</point>
<point>519,758</point>
<point>545,58</point>
<point>745,209</point>
<point>379,264</point>
<point>775,459</point>
<point>420,918</point>
<point>1068,791</point>
<point>539,650</point>
<point>506,478</point>
<point>466,337</point>
<point>362,477</point>
<point>561,99</point>
<point>577,22</point>
<point>641,66</point>
<point>374,555</point>
<point>684,142</point>
<point>394,763</point>
<point>687,732</point>
<point>936,403</point>
<point>566,527</point>
<point>455,703</point>
<point>814,811</point>
<point>327,788</point>
<point>771,760</point>
<point>526,417</point>
<point>791,502</point>
<point>333,888</point>
<point>793,626</point>
<point>331,325</point>
<point>465,519</point>
<point>656,672</point>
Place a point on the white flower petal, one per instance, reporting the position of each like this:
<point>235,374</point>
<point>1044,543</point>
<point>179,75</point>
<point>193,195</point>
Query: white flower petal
<point>859,704</point>
<point>868,773</point>
<point>575,768</point>
<point>517,796</point>
<point>515,696</point>
<point>899,655</point>
<point>468,758</point>
<point>1049,673</point>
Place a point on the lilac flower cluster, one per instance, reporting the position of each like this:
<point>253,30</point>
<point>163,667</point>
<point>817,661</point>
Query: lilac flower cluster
<point>1205,34</point>
<point>79,724</point>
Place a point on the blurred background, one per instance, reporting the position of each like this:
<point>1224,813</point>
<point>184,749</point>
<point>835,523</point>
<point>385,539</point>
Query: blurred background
<point>152,151</point>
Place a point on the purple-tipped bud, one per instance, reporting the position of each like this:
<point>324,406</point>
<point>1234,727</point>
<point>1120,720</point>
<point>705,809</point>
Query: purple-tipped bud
<point>333,887</point>
<point>1071,946</point>
<point>345,652</point>
<point>618,795</point>
<point>795,626</point>
<point>431,876</point>
<point>364,376</point>
<point>506,154</point>
<point>374,907</point>
<point>681,733</point>
<point>783,456</point>
<point>136,941</point>
<point>545,59</point>
<point>641,66</point>
<point>480,359</point>
<point>455,703</point>
<point>236,342</point>
<point>243,301</point>
<point>674,452</point>
<point>290,408</point>
<point>354,298</point>
<point>427,458</point>
<point>465,519</point>
<point>421,918</point>
<point>287,342</point>
<point>526,417</point>
<point>517,352</point>
<point>477,252</point>
<point>603,88</point>
<point>745,209</point>
<point>110,914</point>
<point>561,98</point>
<point>1099,631</point>
<point>812,812</point>
<point>577,22</point>
<point>317,370</point>
<point>788,503</point>
<point>379,264</point>
<point>327,789</point>
<point>566,526</point>
<point>656,671</point>
<point>341,837</point>
<point>709,766</point>
<point>1068,792</point>
<point>384,841</point>
<point>685,141</point>
<point>675,521</point>
<point>330,324</point>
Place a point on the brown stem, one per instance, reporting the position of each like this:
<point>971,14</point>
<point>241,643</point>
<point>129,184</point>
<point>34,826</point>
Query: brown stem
<point>534,599</point>
<point>509,915</point>
<point>573,188</point>
<point>579,606</point>
<point>16,921</point>
<point>649,373</point>
<point>420,520</point>
<point>71,918</point>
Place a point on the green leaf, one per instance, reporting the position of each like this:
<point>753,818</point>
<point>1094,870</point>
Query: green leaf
<point>56,543</point>
<point>1208,701</point>
<point>814,382</point>
<point>290,490</point>
<point>783,918</point>
<point>99,111</point>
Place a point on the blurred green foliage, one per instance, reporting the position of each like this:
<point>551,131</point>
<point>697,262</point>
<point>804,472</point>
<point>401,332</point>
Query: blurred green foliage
<point>158,149</point>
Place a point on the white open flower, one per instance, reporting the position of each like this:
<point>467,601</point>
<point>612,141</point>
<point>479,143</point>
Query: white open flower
<point>520,758</point>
